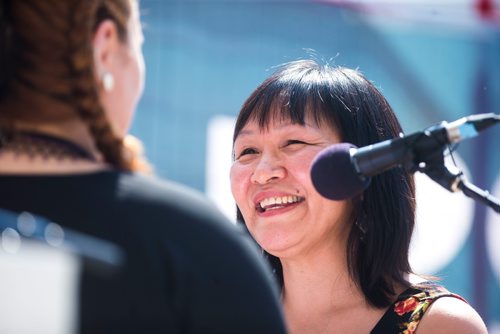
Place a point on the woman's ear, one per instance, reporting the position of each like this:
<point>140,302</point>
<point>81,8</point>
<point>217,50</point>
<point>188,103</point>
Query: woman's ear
<point>105,45</point>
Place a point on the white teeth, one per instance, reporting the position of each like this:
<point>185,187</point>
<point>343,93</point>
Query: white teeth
<point>267,202</point>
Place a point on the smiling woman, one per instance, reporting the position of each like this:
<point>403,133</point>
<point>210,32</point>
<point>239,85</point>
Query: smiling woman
<point>343,265</point>
<point>284,151</point>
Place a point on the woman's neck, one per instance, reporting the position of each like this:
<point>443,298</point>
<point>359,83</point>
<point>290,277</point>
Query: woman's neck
<point>321,280</point>
<point>320,296</point>
<point>73,131</point>
<point>46,148</point>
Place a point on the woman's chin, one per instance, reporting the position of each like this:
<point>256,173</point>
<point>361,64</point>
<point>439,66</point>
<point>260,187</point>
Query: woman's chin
<point>276,246</point>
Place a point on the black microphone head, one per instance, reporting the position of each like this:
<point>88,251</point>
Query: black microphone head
<point>334,175</point>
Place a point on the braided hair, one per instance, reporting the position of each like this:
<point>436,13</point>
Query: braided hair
<point>47,59</point>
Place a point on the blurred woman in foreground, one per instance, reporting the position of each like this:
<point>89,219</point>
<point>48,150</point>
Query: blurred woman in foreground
<point>72,73</point>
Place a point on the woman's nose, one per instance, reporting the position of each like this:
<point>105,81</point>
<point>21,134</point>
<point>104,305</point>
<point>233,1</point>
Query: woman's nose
<point>268,169</point>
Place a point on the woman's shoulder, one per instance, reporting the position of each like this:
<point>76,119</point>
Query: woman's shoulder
<point>178,212</point>
<point>449,314</point>
<point>428,307</point>
<point>161,195</point>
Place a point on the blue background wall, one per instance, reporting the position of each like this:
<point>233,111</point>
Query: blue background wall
<point>205,57</point>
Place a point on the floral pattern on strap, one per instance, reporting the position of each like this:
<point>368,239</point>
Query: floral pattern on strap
<point>407,311</point>
<point>417,304</point>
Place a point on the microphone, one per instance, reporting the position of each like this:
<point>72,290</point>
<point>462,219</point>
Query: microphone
<point>342,171</point>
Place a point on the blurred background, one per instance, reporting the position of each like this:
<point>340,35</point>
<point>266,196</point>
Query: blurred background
<point>433,60</point>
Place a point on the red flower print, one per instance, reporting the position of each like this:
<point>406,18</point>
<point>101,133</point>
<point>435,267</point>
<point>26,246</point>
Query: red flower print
<point>405,306</point>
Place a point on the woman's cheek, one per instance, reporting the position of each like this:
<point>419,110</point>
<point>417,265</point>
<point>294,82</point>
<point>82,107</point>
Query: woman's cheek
<point>238,179</point>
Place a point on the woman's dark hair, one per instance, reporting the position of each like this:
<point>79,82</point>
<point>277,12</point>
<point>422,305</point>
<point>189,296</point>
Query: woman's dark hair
<point>47,67</point>
<point>383,215</point>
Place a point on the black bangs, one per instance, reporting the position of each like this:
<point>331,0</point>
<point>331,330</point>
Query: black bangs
<point>293,93</point>
<point>344,100</point>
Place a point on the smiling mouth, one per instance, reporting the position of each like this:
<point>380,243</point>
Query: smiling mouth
<point>274,203</point>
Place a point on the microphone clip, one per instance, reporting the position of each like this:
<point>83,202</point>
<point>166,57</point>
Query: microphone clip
<point>453,179</point>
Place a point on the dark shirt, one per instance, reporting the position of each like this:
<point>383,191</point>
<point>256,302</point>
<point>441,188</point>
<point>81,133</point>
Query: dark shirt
<point>187,269</point>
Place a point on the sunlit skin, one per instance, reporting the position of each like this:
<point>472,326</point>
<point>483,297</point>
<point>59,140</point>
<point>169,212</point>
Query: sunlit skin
<point>125,61</point>
<point>309,235</point>
<point>275,162</point>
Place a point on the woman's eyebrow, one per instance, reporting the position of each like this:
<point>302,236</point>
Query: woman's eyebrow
<point>245,133</point>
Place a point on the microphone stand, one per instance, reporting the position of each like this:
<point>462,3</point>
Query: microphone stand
<point>479,194</point>
<point>454,180</point>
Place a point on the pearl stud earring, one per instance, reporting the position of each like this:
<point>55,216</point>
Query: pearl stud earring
<point>108,81</point>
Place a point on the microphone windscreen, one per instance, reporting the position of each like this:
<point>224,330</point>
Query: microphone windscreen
<point>334,175</point>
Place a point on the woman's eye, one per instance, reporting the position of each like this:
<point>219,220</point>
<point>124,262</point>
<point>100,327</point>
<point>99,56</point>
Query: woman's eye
<point>295,142</point>
<point>247,151</point>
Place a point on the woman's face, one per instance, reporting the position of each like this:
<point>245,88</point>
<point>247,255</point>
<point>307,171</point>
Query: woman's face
<point>270,181</point>
<point>127,68</point>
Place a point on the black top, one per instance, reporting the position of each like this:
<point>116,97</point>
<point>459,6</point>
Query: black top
<point>187,269</point>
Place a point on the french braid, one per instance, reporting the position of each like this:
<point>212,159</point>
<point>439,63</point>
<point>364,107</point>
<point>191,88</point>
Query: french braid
<point>85,93</point>
<point>53,68</point>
